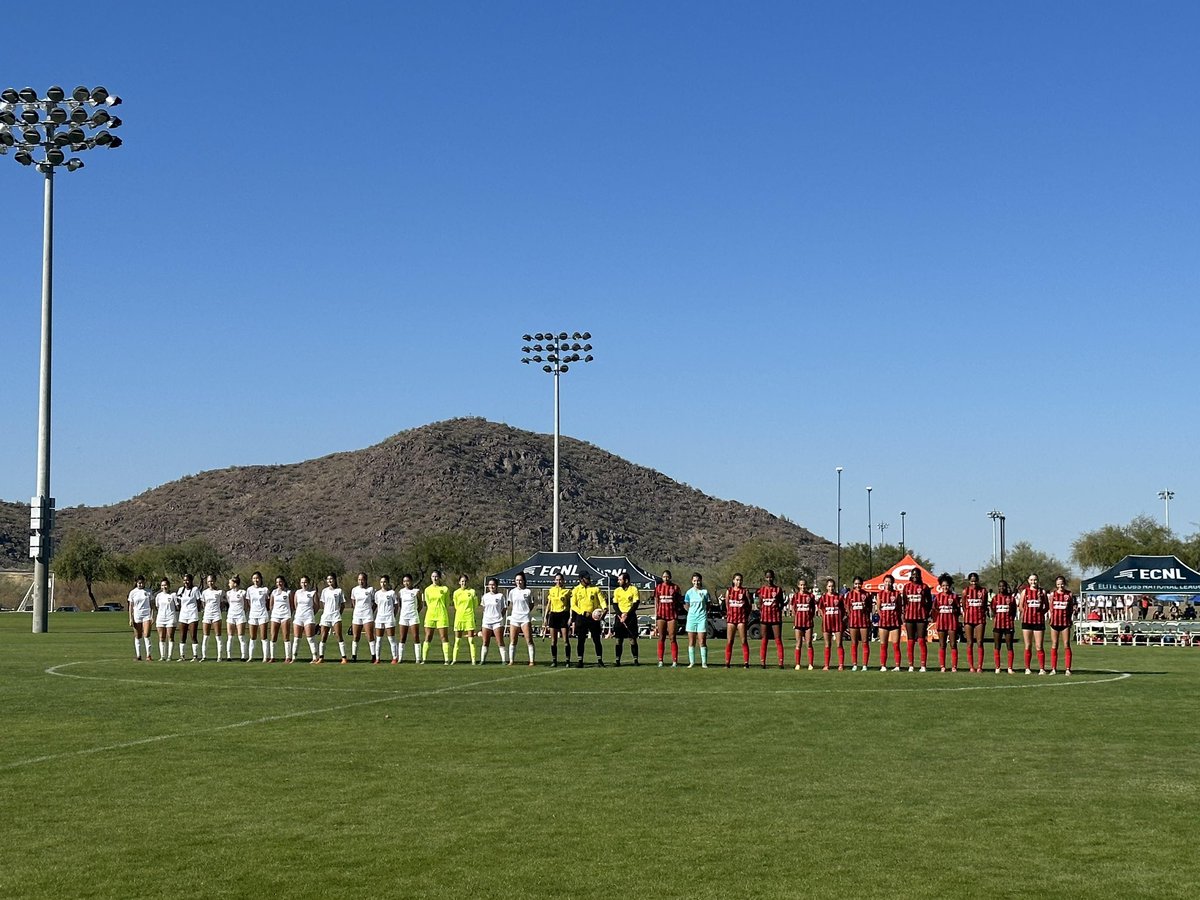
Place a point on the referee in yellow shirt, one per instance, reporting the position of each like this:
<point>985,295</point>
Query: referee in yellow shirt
<point>587,608</point>
<point>626,598</point>
<point>558,618</point>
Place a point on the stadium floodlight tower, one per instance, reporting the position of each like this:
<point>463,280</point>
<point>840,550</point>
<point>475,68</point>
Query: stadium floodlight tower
<point>557,352</point>
<point>1166,497</point>
<point>40,132</point>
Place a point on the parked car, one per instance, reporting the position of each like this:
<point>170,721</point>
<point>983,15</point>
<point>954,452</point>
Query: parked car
<point>66,609</point>
<point>110,607</point>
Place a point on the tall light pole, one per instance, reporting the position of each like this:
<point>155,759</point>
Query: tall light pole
<point>903,546</point>
<point>1002,545</point>
<point>1166,497</point>
<point>40,130</point>
<point>882,526</point>
<point>994,515</point>
<point>839,528</point>
<point>870,552</point>
<point>560,351</point>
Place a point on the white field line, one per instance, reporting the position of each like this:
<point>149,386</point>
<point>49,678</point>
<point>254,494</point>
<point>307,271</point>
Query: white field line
<point>54,670</point>
<point>246,723</point>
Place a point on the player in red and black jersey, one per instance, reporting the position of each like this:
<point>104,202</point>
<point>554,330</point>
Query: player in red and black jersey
<point>917,605</point>
<point>858,619</point>
<point>804,608</point>
<point>668,602</point>
<point>946,611</point>
<point>770,615</point>
<point>1004,618</point>
<point>974,615</point>
<point>1031,601</point>
<point>737,610</point>
<point>1063,607</point>
<point>889,602</point>
<point>833,621</point>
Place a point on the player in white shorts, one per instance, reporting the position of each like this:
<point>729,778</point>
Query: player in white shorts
<point>363,617</point>
<point>259,617</point>
<point>303,600</point>
<point>282,607</point>
<point>140,601</point>
<point>211,598</point>
<point>409,617</point>
<point>333,601</point>
<point>167,606</point>
<point>385,618</point>
<point>493,603</point>
<point>520,606</point>
<point>235,619</point>
<point>189,617</point>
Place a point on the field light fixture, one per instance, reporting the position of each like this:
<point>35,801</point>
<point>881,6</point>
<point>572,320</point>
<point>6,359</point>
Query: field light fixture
<point>38,131</point>
<point>556,353</point>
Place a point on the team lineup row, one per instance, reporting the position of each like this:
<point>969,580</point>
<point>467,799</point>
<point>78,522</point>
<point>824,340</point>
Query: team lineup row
<point>190,614</point>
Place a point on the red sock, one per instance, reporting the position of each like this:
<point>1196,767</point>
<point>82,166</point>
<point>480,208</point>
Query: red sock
<point>779,650</point>
<point>897,646</point>
<point>942,655</point>
<point>797,656</point>
<point>810,656</point>
<point>1028,656</point>
<point>745,653</point>
<point>827,656</point>
<point>996,653</point>
<point>866,655</point>
<point>1010,657</point>
<point>1054,657</point>
<point>971,657</point>
<point>910,654</point>
<point>661,646</point>
<point>924,651</point>
<point>1068,659</point>
<point>841,656</point>
<point>954,657</point>
<point>674,652</point>
<point>728,652</point>
<point>1041,659</point>
<point>854,654</point>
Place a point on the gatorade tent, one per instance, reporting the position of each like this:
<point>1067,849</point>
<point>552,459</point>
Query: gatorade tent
<point>540,569</point>
<point>613,566</point>
<point>902,571</point>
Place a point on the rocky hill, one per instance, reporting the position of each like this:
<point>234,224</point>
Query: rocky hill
<point>459,474</point>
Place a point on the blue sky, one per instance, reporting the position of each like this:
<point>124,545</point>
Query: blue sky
<point>951,247</point>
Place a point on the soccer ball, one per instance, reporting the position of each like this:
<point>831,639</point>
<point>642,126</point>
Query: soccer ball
<point>597,614</point>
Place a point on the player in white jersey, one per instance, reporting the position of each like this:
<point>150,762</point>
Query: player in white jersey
<point>235,619</point>
<point>303,601</point>
<point>385,618</point>
<point>139,617</point>
<point>259,617</point>
<point>189,617</point>
<point>520,607</point>
<point>333,601</point>
<point>167,606</point>
<point>282,607</point>
<point>493,603</point>
<point>409,617</point>
<point>211,597</point>
<point>363,616</point>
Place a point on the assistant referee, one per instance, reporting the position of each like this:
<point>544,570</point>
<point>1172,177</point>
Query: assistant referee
<point>585,601</point>
<point>626,598</point>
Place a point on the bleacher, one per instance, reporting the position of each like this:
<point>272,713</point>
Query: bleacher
<point>1158,633</point>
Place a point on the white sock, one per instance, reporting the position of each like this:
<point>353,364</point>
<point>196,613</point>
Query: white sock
<point>375,649</point>
<point>162,650</point>
<point>321,655</point>
<point>392,643</point>
<point>512,649</point>
<point>505,656</point>
<point>195,649</point>
<point>399,650</point>
<point>217,641</point>
<point>170,648</point>
<point>295,644</point>
<point>204,647</point>
<point>267,647</point>
<point>182,646</point>
<point>342,648</point>
<point>137,647</point>
<point>228,644</point>
<point>243,642</point>
<point>417,650</point>
<point>529,647</point>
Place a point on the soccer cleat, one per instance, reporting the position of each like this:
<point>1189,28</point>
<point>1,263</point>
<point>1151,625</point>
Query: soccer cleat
<point>660,663</point>
<point>745,665</point>
<point>579,665</point>
<point>395,662</point>
<point>675,665</point>
<point>841,668</point>
<point>617,664</point>
<point>704,665</point>
<point>1011,672</point>
<point>883,668</point>
<point>1052,672</point>
<point>600,664</point>
<point>345,662</point>
<point>797,666</point>
<point>953,671</point>
<point>1067,672</point>
<point>1041,671</point>
<point>1027,671</point>
<point>375,662</point>
<point>554,664</point>
<point>635,662</point>
<point>942,669</point>
<point>810,668</point>
<point>763,665</point>
<point>922,669</point>
<point>853,668</point>
<point>691,665</point>
<point>824,668</point>
<point>997,671</point>
<point>911,669</point>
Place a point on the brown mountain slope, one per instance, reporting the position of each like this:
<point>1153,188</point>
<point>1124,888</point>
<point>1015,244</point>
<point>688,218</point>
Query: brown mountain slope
<point>459,474</point>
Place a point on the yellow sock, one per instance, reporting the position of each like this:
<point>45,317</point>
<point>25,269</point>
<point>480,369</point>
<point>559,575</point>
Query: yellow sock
<point>425,650</point>
<point>455,655</point>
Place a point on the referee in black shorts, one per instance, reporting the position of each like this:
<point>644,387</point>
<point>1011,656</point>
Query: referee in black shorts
<point>586,601</point>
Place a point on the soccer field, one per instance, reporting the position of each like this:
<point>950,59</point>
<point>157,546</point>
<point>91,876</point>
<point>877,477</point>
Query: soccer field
<point>124,779</point>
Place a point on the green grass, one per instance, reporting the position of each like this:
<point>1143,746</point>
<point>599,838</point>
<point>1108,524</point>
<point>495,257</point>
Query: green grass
<point>299,781</point>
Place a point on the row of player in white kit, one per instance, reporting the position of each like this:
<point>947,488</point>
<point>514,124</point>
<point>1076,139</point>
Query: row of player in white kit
<point>286,613</point>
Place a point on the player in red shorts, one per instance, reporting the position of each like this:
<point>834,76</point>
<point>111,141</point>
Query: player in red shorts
<point>737,607</point>
<point>770,615</point>
<point>1004,616</point>
<point>804,608</point>
<point>946,610</point>
<point>917,604</point>
<point>858,619</point>
<point>889,602</point>
<point>1063,607</point>
<point>974,616</point>
<point>833,621</point>
<point>668,600</point>
<point>1031,601</point>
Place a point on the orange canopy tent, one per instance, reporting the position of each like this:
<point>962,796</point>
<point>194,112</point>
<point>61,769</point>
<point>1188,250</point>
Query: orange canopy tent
<point>902,572</point>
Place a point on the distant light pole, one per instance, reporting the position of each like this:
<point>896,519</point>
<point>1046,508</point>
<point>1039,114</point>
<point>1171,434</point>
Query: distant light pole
<point>40,131</point>
<point>1166,497</point>
<point>870,552</point>
<point>882,526</point>
<point>1002,545</point>
<point>994,515</point>
<point>902,544</point>
<point>560,351</point>
<point>839,528</point>
<point>512,543</point>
